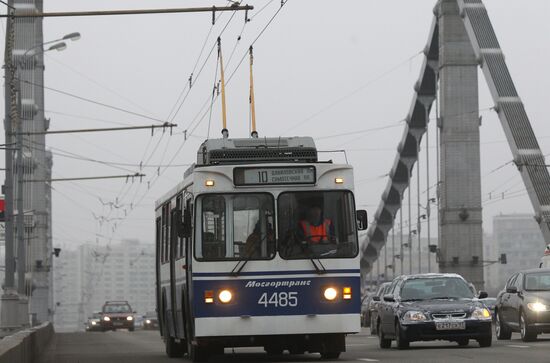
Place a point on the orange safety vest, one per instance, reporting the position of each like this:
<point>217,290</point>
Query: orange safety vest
<point>316,234</point>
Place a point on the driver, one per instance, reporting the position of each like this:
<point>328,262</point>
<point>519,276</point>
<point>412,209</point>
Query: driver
<point>315,229</point>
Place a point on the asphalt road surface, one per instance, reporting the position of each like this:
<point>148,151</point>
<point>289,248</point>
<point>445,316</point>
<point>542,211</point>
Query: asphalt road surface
<point>146,346</point>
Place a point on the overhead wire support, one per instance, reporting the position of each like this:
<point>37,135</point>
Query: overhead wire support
<point>126,176</point>
<point>60,14</point>
<point>108,129</point>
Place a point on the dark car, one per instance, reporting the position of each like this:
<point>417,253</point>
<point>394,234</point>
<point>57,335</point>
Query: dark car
<point>117,315</point>
<point>373,306</point>
<point>94,322</point>
<point>150,321</point>
<point>524,305</point>
<point>432,307</point>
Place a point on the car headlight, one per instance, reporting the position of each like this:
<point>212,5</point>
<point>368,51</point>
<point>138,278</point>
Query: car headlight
<point>93,322</point>
<point>481,314</point>
<point>414,316</point>
<point>129,318</point>
<point>225,296</point>
<point>106,318</point>
<point>538,307</point>
<point>147,321</point>
<point>330,293</point>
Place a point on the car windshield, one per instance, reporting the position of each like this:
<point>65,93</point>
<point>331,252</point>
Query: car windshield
<point>317,225</point>
<point>96,316</point>
<point>538,281</point>
<point>236,227</point>
<point>436,288</point>
<point>117,309</point>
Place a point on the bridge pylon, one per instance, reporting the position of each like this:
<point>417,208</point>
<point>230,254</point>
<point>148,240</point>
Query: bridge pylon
<point>461,39</point>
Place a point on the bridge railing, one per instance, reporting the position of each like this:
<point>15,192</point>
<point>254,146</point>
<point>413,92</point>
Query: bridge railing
<point>27,345</point>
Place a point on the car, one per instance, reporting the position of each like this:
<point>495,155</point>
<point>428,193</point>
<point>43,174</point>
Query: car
<point>427,307</point>
<point>94,322</point>
<point>365,300</point>
<point>373,306</point>
<point>117,315</point>
<point>150,321</point>
<point>524,305</point>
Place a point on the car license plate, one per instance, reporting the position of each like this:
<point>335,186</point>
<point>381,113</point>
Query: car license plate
<point>450,325</point>
<point>118,324</point>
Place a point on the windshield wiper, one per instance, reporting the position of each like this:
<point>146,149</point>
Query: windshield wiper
<point>318,270</point>
<point>321,270</point>
<point>246,259</point>
<point>407,300</point>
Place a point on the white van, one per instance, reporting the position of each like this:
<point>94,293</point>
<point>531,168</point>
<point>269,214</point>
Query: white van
<point>545,260</point>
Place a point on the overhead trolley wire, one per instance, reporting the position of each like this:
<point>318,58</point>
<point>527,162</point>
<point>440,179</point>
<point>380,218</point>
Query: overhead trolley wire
<point>194,78</point>
<point>98,103</point>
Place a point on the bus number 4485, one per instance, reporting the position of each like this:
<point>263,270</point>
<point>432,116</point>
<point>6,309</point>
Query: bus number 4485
<point>277,299</point>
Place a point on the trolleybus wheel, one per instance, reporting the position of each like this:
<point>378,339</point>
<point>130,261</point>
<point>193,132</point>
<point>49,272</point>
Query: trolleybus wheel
<point>330,355</point>
<point>197,353</point>
<point>173,348</point>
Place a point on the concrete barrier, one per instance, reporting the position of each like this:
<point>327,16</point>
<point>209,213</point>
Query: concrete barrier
<point>26,346</point>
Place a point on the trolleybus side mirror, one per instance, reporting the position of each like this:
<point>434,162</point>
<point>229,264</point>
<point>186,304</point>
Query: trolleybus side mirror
<point>362,220</point>
<point>184,224</point>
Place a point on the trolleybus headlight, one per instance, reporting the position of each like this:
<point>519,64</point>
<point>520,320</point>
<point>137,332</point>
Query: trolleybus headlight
<point>339,180</point>
<point>225,296</point>
<point>347,293</point>
<point>129,318</point>
<point>106,318</point>
<point>209,297</point>
<point>330,293</point>
<point>209,183</point>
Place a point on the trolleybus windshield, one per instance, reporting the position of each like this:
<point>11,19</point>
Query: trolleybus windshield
<point>317,225</point>
<point>236,227</point>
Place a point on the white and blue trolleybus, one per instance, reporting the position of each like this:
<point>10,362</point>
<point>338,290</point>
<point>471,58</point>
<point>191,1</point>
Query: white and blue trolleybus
<point>258,246</point>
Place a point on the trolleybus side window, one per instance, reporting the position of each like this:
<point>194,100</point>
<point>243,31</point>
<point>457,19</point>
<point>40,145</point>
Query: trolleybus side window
<point>236,227</point>
<point>166,232</point>
<point>213,227</point>
<point>158,234</point>
<point>317,225</point>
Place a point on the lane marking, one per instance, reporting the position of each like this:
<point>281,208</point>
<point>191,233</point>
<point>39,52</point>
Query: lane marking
<point>368,360</point>
<point>518,346</point>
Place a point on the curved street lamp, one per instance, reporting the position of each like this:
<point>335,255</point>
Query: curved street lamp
<point>58,46</point>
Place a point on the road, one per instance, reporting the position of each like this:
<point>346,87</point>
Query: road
<point>146,346</point>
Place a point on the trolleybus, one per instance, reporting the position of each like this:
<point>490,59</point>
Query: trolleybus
<point>258,246</point>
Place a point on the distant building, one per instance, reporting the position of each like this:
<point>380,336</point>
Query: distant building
<point>520,238</point>
<point>67,289</point>
<point>122,271</point>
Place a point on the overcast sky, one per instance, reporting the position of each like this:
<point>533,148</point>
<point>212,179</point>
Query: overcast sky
<point>314,53</point>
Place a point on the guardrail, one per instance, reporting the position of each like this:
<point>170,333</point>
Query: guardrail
<point>27,345</point>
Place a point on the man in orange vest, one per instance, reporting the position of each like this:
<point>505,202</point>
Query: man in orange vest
<point>315,229</point>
